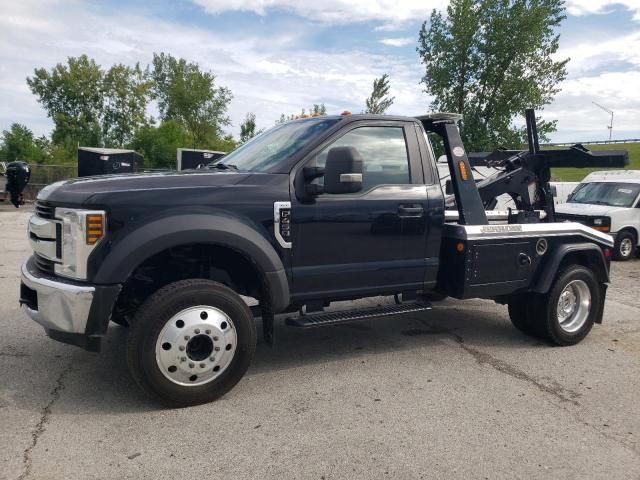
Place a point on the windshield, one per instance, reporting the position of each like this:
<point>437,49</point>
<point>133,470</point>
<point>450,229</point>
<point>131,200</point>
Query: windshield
<point>606,193</point>
<point>265,151</point>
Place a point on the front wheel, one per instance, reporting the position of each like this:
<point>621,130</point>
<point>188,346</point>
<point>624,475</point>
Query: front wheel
<point>191,342</point>
<point>625,246</point>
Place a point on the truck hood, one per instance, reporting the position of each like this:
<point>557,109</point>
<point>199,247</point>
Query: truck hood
<point>587,209</point>
<point>78,190</point>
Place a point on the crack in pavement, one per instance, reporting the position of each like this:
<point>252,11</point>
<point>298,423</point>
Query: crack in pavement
<point>556,390</point>
<point>11,354</point>
<point>40,427</point>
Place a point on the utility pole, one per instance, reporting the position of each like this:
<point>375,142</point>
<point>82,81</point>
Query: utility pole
<point>610,112</point>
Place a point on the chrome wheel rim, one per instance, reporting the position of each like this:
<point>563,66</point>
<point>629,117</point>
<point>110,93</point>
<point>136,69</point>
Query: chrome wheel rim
<point>196,346</point>
<point>625,247</point>
<point>574,305</point>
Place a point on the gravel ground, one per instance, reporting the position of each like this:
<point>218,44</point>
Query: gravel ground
<point>454,393</point>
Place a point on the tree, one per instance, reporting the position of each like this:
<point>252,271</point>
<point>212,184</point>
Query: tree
<point>190,96</point>
<point>126,95</point>
<point>379,101</point>
<point>72,96</point>
<point>90,106</point>
<point>248,128</point>
<point>18,143</point>
<point>490,60</point>
<point>158,145</point>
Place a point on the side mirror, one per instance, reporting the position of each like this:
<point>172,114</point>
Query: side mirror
<point>18,174</point>
<point>343,171</point>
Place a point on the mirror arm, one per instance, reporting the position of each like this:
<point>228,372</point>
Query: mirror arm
<point>311,173</point>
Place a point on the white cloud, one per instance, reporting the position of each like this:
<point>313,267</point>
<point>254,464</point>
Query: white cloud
<point>398,42</point>
<point>586,7</point>
<point>272,74</point>
<point>267,75</point>
<point>333,11</point>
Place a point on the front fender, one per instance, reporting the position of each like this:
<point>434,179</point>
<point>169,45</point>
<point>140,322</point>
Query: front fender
<point>175,230</point>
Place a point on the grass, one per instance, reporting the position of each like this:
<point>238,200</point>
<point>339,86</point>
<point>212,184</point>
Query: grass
<point>577,174</point>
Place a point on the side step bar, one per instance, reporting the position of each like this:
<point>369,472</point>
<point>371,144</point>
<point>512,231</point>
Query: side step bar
<point>332,318</point>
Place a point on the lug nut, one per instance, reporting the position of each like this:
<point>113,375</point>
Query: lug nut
<point>208,332</point>
<point>197,331</point>
<point>187,337</point>
<point>213,359</point>
<point>215,339</point>
<point>183,359</point>
<point>202,365</point>
<point>191,365</point>
<point>181,348</point>
<point>217,349</point>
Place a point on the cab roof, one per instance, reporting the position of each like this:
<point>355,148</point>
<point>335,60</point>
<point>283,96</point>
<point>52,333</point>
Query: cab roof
<point>627,176</point>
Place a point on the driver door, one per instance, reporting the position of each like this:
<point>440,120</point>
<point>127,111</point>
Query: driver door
<point>372,240</point>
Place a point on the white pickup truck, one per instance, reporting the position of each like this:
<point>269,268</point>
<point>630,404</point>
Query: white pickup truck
<point>608,201</point>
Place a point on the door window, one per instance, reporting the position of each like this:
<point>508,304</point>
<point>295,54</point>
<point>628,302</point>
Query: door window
<point>384,155</point>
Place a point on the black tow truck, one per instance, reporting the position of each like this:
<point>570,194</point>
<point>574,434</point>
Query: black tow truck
<point>310,212</point>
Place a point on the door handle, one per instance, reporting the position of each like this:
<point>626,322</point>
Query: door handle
<point>414,211</point>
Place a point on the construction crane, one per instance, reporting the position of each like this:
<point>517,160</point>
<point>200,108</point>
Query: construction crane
<point>610,112</point>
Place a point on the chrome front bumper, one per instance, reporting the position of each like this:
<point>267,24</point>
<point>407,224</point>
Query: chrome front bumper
<point>56,304</point>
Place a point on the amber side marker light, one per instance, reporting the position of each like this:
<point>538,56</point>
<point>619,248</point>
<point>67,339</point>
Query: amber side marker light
<point>460,247</point>
<point>95,228</point>
<point>602,228</point>
<point>463,170</point>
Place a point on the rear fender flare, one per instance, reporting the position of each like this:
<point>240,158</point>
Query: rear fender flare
<point>590,254</point>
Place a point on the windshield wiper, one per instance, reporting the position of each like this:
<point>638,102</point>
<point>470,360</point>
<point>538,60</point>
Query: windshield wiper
<point>222,166</point>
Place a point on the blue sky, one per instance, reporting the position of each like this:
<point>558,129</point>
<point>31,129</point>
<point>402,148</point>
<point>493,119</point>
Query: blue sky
<point>278,56</point>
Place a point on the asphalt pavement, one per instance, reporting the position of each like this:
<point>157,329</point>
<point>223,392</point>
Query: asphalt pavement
<point>452,393</point>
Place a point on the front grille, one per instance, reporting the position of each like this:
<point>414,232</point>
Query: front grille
<point>584,219</point>
<point>45,210</point>
<point>44,265</point>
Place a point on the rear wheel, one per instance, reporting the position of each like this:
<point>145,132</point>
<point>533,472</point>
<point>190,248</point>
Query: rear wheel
<point>565,314</point>
<point>191,342</point>
<point>625,246</point>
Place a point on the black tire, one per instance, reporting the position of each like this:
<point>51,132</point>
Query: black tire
<point>121,321</point>
<point>520,314</point>
<point>154,314</point>
<point>543,311</point>
<point>623,239</point>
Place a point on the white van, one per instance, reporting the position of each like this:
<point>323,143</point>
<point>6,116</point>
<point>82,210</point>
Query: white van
<point>608,201</point>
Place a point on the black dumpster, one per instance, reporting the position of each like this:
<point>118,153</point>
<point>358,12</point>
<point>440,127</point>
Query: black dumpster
<point>189,158</point>
<point>104,161</point>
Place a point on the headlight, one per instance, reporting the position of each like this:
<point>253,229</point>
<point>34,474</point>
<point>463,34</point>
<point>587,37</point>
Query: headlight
<point>82,230</point>
<point>602,224</point>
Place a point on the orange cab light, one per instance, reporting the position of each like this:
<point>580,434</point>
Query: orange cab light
<point>95,228</point>
<point>601,228</point>
<point>346,112</point>
<point>463,170</point>
<point>460,247</point>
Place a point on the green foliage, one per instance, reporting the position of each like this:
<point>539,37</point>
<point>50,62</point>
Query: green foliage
<point>379,101</point>
<point>490,60</point>
<point>248,128</point>
<point>126,95</point>
<point>577,174</point>
<point>18,144</point>
<point>72,96</point>
<point>189,96</point>
<point>158,145</point>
